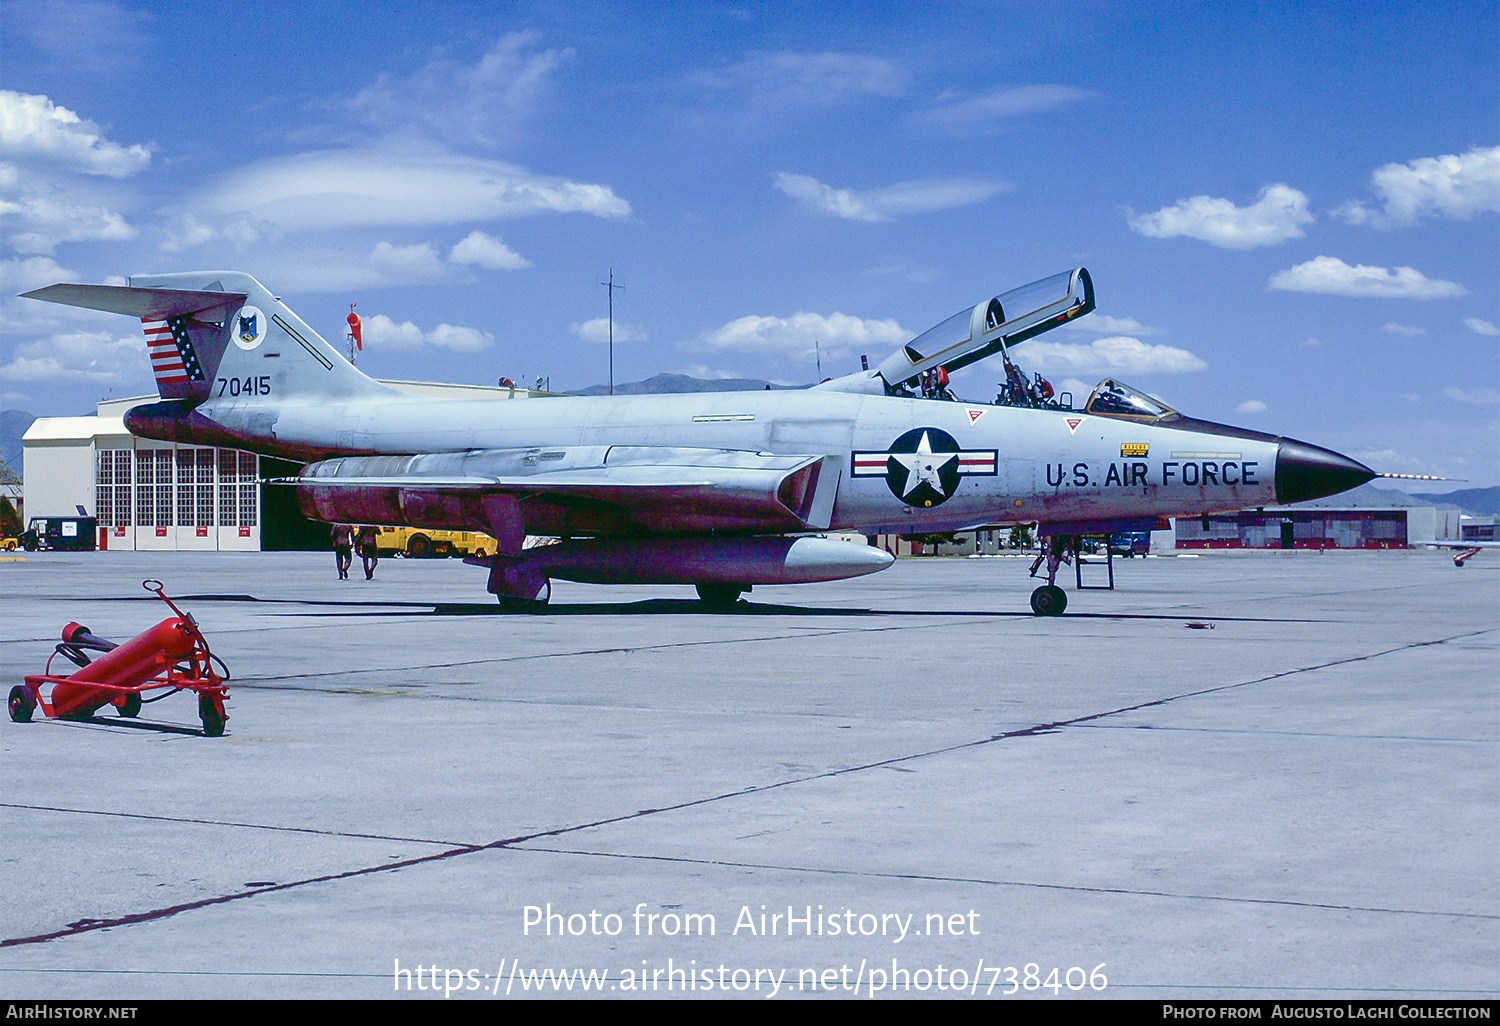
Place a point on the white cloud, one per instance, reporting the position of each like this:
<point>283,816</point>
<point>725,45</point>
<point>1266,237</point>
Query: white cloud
<point>32,273</point>
<point>459,339</point>
<point>89,37</point>
<point>381,332</point>
<point>1104,324</point>
<point>976,113</point>
<point>781,80</point>
<point>921,196</point>
<point>1479,396</point>
<point>1480,327</point>
<point>1456,187</point>
<point>185,231</point>
<point>395,184</point>
<point>47,223</point>
<point>1119,354</point>
<point>481,102</point>
<point>1404,330</point>
<point>79,356</point>
<point>597,330</point>
<point>1251,406</point>
<point>802,335</point>
<point>405,264</point>
<point>1330,276</point>
<point>1081,389</point>
<point>1278,215</point>
<point>33,126</point>
<point>488,252</point>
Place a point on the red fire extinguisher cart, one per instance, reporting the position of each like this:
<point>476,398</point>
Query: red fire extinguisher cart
<point>173,656</point>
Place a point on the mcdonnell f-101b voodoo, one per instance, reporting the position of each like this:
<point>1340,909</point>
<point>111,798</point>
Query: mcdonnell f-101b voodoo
<point>722,490</point>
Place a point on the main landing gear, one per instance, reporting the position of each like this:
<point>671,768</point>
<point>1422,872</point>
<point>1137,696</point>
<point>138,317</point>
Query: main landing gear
<point>536,604</point>
<point>1049,600</point>
<point>721,597</point>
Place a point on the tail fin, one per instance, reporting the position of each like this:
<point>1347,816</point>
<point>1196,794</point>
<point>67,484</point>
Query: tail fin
<point>222,334</point>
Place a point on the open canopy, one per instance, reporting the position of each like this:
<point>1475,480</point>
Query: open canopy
<point>991,326</point>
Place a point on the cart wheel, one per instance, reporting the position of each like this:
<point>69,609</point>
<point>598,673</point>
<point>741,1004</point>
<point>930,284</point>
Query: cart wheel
<point>22,703</point>
<point>212,715</point>
<point>131,706</point>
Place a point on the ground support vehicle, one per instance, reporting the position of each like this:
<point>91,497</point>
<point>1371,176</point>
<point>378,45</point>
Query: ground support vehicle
<point>173,656</point>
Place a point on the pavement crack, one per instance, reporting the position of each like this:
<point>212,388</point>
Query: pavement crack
<point>1029,884</point>
<point>230,823</point>
<point>89,925</point>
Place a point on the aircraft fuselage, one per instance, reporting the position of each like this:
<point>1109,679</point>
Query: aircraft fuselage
<point>987,464</point>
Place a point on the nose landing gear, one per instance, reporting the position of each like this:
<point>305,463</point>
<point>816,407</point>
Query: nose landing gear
<point>1049,600</point>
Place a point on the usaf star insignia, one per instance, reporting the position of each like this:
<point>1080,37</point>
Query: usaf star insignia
<point>923,467</point>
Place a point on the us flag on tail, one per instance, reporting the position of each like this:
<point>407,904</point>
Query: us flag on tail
<point>172,358</point>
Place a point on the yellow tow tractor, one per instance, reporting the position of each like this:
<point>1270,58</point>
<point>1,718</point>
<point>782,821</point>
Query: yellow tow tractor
<point>420,543</point>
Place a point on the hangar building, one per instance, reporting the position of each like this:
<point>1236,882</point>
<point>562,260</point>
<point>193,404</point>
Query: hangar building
<point>1362,518</point>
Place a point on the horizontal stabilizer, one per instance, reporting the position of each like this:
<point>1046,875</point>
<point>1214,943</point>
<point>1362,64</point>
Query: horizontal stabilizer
<point>147,304</point>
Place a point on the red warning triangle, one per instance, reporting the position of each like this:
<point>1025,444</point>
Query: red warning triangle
<point>975,415</point>
<point>1073,423</point>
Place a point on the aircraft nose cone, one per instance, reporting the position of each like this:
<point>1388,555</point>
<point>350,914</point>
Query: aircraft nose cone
<point>1310,472</point>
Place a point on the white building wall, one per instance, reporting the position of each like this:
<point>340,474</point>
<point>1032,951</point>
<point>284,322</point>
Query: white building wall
<point>58,477</point>
<point>147,494</point>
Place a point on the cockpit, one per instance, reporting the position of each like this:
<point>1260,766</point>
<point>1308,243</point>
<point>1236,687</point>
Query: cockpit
<point>988,328</point>
<point>921,368</point>
<point>1110,398</point>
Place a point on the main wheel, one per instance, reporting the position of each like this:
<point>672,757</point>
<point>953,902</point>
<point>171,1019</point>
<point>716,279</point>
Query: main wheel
<point>1049,600</point>
<point>131,706</point>
<point>512,604</point>
<point>212,715</point>
<point>419,546</point>
<point>22,703</point>
<point>720,596</point>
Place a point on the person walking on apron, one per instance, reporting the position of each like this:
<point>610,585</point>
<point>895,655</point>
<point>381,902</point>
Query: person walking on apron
<point>343,542</point>
<point>369,552</point>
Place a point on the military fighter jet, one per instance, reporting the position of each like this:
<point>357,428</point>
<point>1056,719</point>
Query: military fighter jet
<point>721,490</point>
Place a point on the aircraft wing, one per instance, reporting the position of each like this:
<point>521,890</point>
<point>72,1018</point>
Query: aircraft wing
<point>1466,549</point>
<point>980,331</point>
<point>650,487</point>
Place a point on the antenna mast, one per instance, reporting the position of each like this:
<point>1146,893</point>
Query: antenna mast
<point>611,286</point>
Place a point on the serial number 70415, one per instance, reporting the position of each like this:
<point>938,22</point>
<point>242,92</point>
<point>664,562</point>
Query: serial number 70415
<point>244,386</point>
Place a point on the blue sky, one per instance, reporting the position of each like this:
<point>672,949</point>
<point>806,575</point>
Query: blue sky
<point>1289,211</point>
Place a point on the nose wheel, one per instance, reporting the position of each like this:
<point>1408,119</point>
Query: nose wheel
<point>1049,600</point>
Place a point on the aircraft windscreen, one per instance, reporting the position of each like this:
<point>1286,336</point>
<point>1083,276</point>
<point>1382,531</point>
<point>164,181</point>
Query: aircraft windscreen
<point>1112,399</point>
<point>950,333</point>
